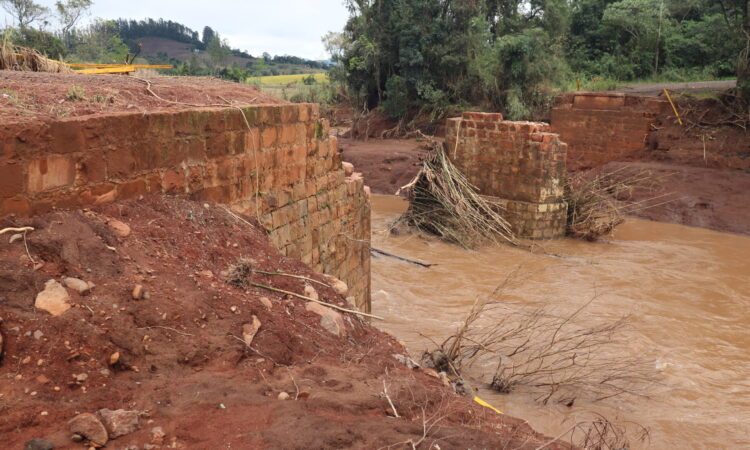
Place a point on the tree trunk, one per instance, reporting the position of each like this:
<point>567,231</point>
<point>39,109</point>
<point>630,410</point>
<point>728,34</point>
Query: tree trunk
<point>743,62</point>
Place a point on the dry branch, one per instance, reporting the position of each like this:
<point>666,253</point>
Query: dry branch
<point>553,356</point>
<point>444,203</point>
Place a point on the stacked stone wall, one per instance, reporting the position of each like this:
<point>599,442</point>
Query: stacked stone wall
<point>519,165</point>
<point>284,168</point>
<point>603,127</point>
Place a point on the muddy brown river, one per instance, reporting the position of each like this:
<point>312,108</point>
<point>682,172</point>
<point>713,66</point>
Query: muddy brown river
<point>687,291</point>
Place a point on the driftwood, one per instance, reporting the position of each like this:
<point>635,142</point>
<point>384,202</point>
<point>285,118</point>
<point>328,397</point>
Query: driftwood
<point>400,258</point>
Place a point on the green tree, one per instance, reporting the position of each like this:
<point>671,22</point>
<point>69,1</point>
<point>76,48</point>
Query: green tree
<point>98,43</point>
<point>218,52</point>
<point>25,12</point>
<point>69,13</point>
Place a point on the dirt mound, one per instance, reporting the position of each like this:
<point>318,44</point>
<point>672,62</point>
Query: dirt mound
<point>163,334</point>
<point>27,96</point>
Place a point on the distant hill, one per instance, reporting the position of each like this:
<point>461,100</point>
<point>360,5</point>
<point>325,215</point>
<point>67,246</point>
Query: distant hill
<point>167,42</point>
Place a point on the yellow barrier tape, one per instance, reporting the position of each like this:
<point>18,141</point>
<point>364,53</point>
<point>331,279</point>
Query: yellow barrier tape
<point>487,405</point>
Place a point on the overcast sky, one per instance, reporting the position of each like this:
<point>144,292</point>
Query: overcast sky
<point>279,27</point>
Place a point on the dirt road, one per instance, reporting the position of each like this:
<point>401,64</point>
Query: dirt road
<point>692,87</point>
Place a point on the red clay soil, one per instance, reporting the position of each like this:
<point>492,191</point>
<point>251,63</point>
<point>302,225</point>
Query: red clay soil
<point>386,164</point>
<point>182,363</point>
<point>700,197</point>
<point>27,96</point>
<point>705,139</point>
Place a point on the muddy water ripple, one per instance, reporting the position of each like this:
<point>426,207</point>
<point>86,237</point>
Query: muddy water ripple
<point>687,290</point>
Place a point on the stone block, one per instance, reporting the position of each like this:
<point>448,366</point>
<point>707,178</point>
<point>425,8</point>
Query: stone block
<point>49,173</point>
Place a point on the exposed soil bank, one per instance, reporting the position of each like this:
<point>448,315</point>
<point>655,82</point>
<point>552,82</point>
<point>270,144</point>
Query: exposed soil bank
<point>387,164</point>
<point>181,361</point>
<point>26,96</point>
<point>699,197</point>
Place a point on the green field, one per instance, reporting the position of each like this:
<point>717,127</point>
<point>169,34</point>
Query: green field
<point>283,80</point>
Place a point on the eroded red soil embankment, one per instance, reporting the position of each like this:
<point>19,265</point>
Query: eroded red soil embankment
<point>29,96</point>
<point>174,350</point>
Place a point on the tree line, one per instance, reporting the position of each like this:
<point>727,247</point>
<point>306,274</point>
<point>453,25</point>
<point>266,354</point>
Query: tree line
<point>411,56</point>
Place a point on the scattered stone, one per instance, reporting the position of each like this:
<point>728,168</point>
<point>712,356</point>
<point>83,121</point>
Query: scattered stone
<point>408,362</point>
<point>42,379</point>
<point>338,286</point>
<point>53,299</point>
<point>88,426</point>
<point>311,292</point>
<point>15,238</point>
<point>266,302</point>
<point>283,396</point>
<point>120,228</point>
<point>249,330</point>
<point>75,437</point>
<point>157,436</point>
<point>119,423</point>
<point>38,444</point>
<point>81,377</point>
<point>114,358</point>
<point>38,334</point>
<point>331,320</point>
<point>206,273</point>
<point>348,168</point>
<point>431,372</point>
<point>137,292</point>
<point>77,285</point>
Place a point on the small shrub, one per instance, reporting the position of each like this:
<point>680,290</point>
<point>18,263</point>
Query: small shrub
<point>76,93</point>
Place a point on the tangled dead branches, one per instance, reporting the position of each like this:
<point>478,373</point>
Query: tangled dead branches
<point>13,57</point>
<point>553,356</point>
<point>594,208</point>
<point>444,203</point>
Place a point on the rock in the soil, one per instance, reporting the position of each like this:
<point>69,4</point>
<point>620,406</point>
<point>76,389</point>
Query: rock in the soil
<point>38,444</point>
<point>311,292</point>
<point>266,302</point>
<point>119,423</point>
<point>13,239</point>
<point>348,168</point>
<point>249,330</point>
<point>88,426</point>
<point>157,436</point>
<point>53,299</point>
<point>331,320</point>
<point>405,360</point>
<point>77,285</point>
<point>338,286</point>
<point>283,396</point>
<point>121,229</point>
<point>137,292</point>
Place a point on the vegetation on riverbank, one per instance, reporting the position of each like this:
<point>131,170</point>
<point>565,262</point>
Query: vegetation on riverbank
<point>411,57</point>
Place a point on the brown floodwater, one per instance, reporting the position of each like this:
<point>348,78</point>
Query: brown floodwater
<point>687,291</point>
